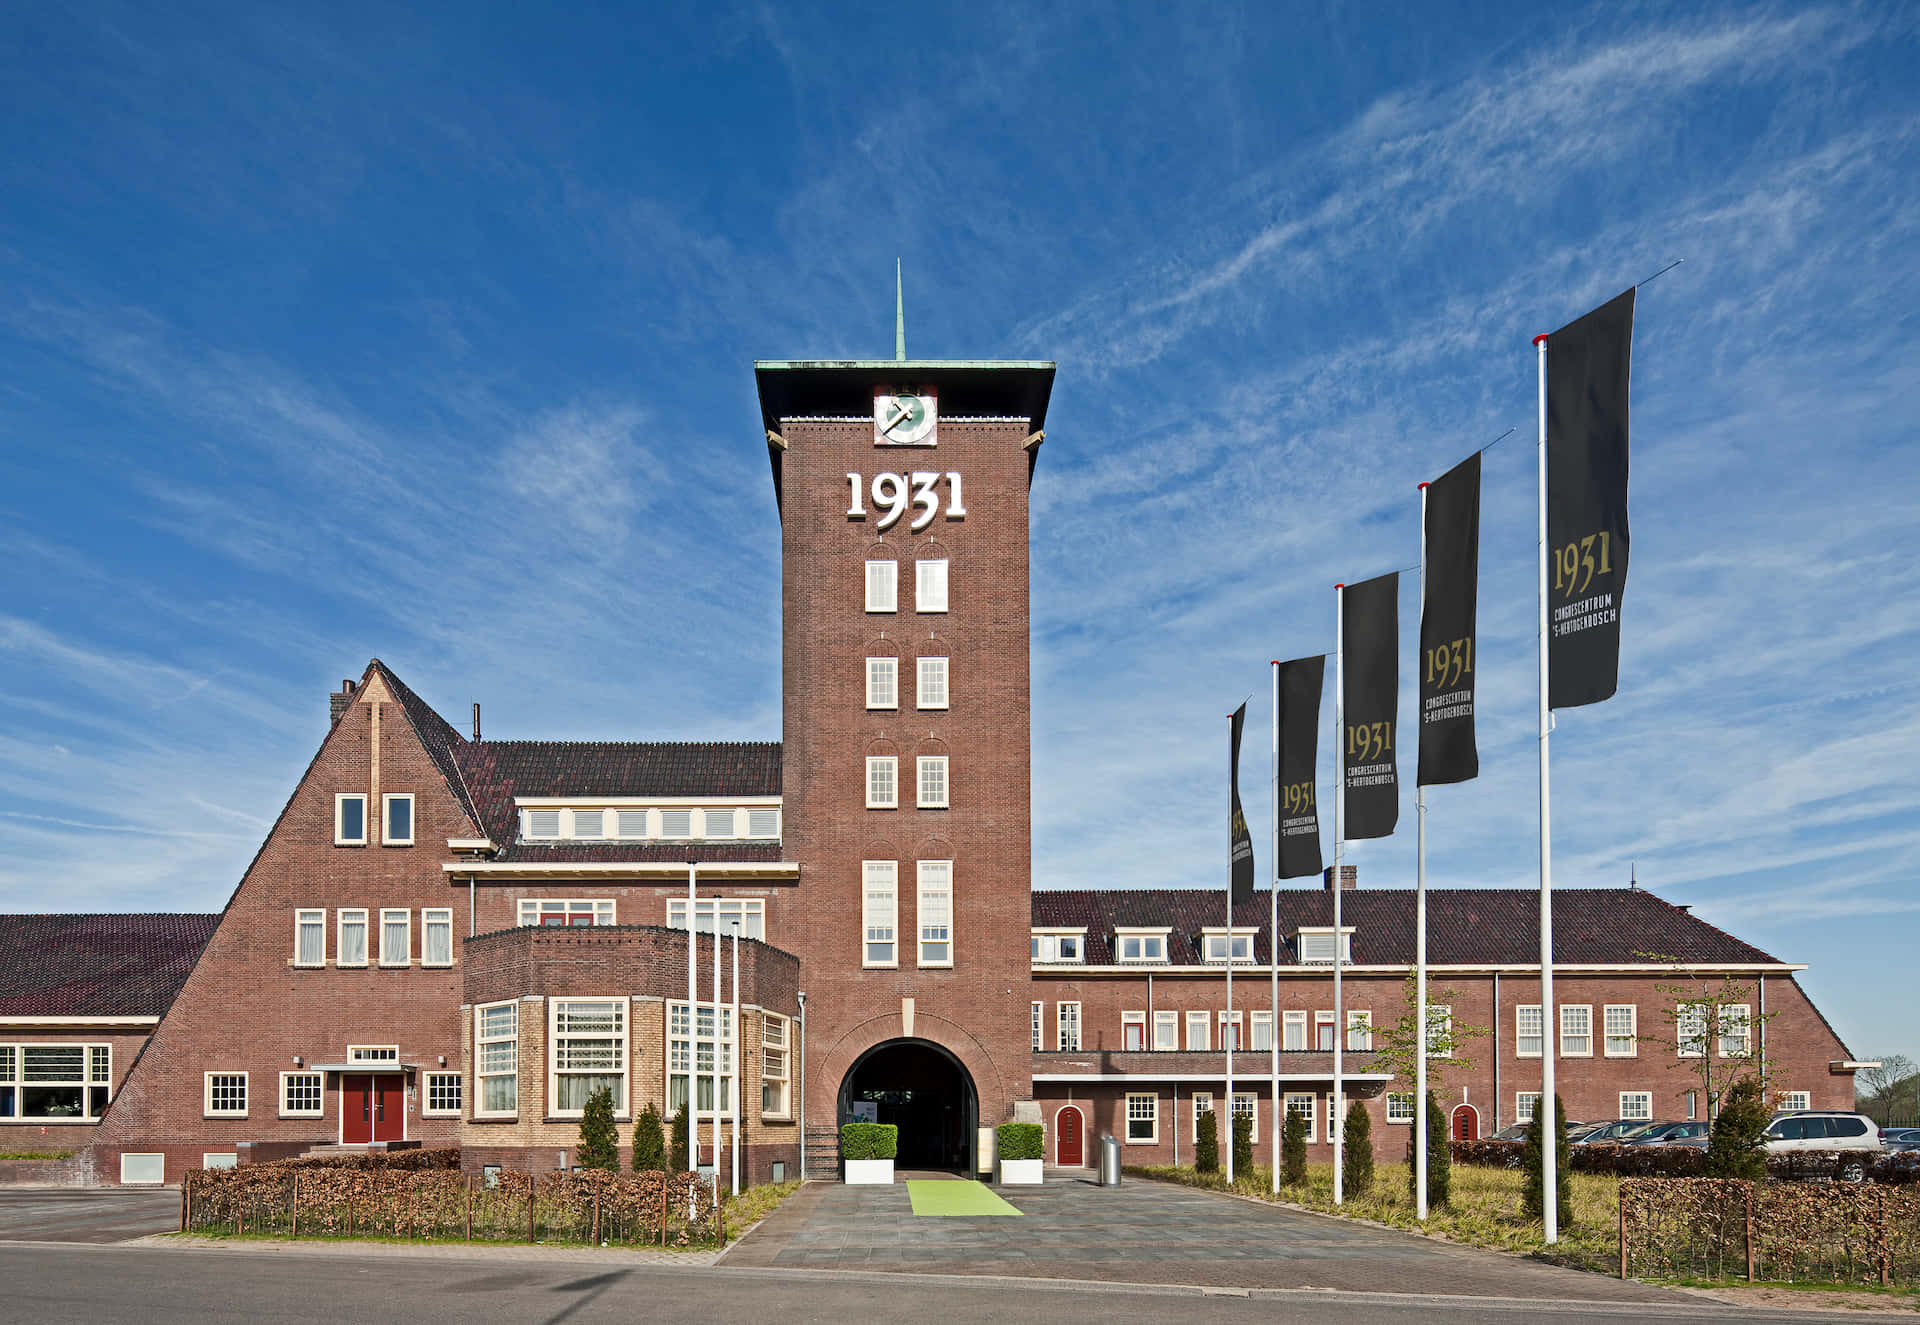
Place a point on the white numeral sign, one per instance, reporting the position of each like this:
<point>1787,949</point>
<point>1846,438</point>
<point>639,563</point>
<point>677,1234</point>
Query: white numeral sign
<point>894,493</point>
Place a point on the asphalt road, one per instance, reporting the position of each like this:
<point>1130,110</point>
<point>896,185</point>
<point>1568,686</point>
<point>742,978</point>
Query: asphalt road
<point>86,1214</point>
<point>55,1283</point>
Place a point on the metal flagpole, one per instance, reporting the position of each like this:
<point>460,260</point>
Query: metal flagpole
<point>693,1026</point>
<point>718,1044</point>
<point>1339,882</point>
<point>1420,942</point>
<point>738,1039</point>
<point>1549,1040</point>
<point>1273,950</point>
<point>1226,1029</point>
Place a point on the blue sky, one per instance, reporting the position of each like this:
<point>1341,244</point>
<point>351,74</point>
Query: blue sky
<point>341,332</point>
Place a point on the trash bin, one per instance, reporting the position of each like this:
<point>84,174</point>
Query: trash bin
<point>1109,1161</point>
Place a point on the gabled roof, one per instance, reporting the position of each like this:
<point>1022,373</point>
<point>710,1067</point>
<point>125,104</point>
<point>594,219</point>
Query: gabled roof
<point>97,965</point>
<point>438,736</point>
<point>1465,926</point>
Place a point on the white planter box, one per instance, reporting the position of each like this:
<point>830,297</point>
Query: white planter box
<point>869,1172</point>
<point>1021,1172</point>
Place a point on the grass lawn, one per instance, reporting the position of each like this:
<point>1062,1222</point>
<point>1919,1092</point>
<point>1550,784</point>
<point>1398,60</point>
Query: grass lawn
<point>755,1204</point>
<point>1485,1211</point>
<point>36,1154</point>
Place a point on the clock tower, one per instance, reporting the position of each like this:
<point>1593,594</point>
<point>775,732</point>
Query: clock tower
<point>902,487</point>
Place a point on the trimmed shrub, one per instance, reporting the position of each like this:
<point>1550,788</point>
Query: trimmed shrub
<point>649,1142</point>
<point>1021,1140</point>
<point>869,1140</point>
<point>682,1149</point>
<point>599,1146</point>
<point>1293,1149</point>
<point>393,1161</point>
<point>1439,1158</point>
<point>1734,1146</point>
<point>1533,1202</point>
<point>1242,1146</point>
<point>1206,1145</point>
<point>1357,1164</point>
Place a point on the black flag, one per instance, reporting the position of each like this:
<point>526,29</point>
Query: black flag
<point>1242,841</point>
<point>1447,752</point>
<point>1371,644</point>
<point>1588,365</point>
<point>1300,685</point>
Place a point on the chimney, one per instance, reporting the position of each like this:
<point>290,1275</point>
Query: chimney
<point>1349,878</point>
<point>476,719</point>
<point>338,701</point>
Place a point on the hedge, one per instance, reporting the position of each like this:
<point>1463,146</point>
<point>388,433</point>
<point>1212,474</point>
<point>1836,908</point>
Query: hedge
<point>1672,1161</point>
<point>1021,1141</point>
<point>1727,1228</point>
<point>374,1161</point>
<point>869,1140</point>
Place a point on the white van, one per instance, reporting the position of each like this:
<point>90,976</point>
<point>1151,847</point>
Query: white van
<point>1825,1130</point>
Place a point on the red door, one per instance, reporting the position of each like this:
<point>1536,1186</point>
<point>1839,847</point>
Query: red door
<point>1067,1124</point>
<point>372,1108</point>
<point>1466,1124</point>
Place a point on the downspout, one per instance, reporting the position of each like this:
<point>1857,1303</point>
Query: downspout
<point>803,1085</point>
<point>1497,1096</point>
<point>469,906</point>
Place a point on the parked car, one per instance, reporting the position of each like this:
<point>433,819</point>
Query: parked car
<point>1576,1135</point>
<point>1695,1142</point>
<point>1611,1132</point>
<point>1822,1130</point>
<point>1512,1132</point>
<point>1900,1138</point>
<point>1661,1134</point>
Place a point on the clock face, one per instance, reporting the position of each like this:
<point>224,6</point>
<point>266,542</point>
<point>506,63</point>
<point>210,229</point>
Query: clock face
<point>904,417</point>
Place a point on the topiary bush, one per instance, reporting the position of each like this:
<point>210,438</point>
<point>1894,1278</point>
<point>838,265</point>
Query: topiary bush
<point>599,1146</point>
<point>1293,1149</point>
<point>1021,1140</point>
<point>649,1142</point>
<point>1357,1163</point>
<point>1242,1146</point>
<point>1533,1201</point>
<point>1206,1144</point>
<point>1439,1158</point>
<point>682,1138</point>
<point>869,1140</point>
<point>1734,1146</point>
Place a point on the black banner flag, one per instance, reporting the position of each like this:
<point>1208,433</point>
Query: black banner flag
<point>1589,362</point>
<point>1371,645</point>
<point>1241,840</point>
<point>1300,684</point>
<point>1447,751</point>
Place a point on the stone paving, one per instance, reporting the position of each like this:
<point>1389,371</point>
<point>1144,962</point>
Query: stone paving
<point>1147,1233</point>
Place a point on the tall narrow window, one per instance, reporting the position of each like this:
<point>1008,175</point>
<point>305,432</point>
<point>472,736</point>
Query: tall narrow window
<point>1133,1031</point>
<point>1143,1118</point>
<point>1359,1031</point>
<point>1576,1030</point>
<point>933,782</point>
<point>935,912</point>
<point>883,586</point>
<point>1736,1031</point>
<point>310,938</point>
<point>1622,1039</point>
<point>693,1045</point>
<point>1302,1105</point>
<point>932,683</point>
<point>496,1033</point>
<point>351,949</point>
<point>1230,1031</point>
<point>436,936</point>
<point>1262,1032</point>
<point>1069,1026</point>
<point>774,1070</point>
<point>1039,1015</point>
<point>880,911</point>
<point>883,777</point>
<point>1323,1031</point>
<point>1198,1037</point>
<point>1690,1030</point>
<point>396,937</point>
<point>1166,1031</point>
<point>589,1038</point>
<point>1202,1106</point>
<point>398,828</point>
<point>1293,1028</point>
<point>930,586</point>
<point>1528,1033</point>
<point>1525,1104</point>
<point>883,683</point>
<point>349,821</point>
<point>1440,1030</point>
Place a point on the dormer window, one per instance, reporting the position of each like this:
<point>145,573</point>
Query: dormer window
<point>1214,945</point>
<point>1315,946</point>
<point>1140,945</point>
<point>547,822</point>
<point>1056,947</point>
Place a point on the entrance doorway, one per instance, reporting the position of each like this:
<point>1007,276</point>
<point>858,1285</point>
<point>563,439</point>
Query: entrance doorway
<point>1466,1123</point>
<point>921,1089</point>
<point>1070,1150</point>
<point>373,1107</point>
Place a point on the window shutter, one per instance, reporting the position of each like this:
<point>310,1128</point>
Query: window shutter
<point>676,823</point>
<point>763,823</point>
<point>543,823</point>
<point>631,823</point>
<point>718,823</point>
<point>883,590</point>
<point>930,586</point>
<point>589,824</point>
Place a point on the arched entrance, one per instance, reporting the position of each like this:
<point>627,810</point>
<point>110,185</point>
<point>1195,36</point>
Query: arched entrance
<point>924,1091</point>
<point>1466,1123</point>
<point>1069,1131</point>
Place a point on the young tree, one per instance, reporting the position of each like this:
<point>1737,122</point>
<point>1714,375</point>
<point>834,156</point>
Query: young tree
<point>599,1146</point>
<point>1533,1190</point>
<point>1890,1093</point>
<point>1242,1145</point>
<point>683,1138</point>
<point>649,1143</point>
<point>1357,1163</point>
<point>1439,1157</point>
<point>1396,1046</point>
<point>1206,1145</point>
<point>1712,1030</point>
<point>1293,1149</point>
<point>1734,1147</point>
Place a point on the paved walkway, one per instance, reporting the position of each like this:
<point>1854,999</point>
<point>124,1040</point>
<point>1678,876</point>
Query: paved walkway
<point>1148,1233</point>
<point>86,1214</point>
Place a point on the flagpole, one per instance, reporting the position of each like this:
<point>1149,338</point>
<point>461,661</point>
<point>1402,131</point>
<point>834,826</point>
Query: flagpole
<point>1273,950</point>
<point>1420,940</point>
<point>1339,881</point>
<point>718,1043</point>
<point>1226,1031</point>
<point>1549,1041</point>
<point>693,1025</point>
<point>738,1038</point>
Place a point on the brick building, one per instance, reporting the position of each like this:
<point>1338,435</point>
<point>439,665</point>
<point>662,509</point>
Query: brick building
<point>447,940</point>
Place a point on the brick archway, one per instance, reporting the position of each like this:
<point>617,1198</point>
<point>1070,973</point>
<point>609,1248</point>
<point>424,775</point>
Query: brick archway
<point>923,1088</point>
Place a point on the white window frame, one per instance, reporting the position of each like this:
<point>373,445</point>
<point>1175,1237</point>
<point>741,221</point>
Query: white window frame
<point>1260,1032</point>
<point>302,918</point>
<point>933,893</point>
<point>430,917</point>
<point>776,1063</point>
<point>1690,1030</point>
<point>622,816</point>
<point>930,585</point>
<point>1400,1110</point>
<point>1248,1103</point>
<point>1204,1024</point>
<point>1631,1035</point>
<point>405,916</point>
<point>718,1037</point>
<point>879,913</point>
<point>879,796</point>
<point>1213,946</point>
<point>1171,1021</point>
<point>1203,1104</point>
<point>721,913</point>
<point>1571,1016</point>
<point>340,839</point>
<point>387,801</point>
<point>319,1083</point>
<point>1439,1030</point>
<point>207,1092</point>
<point>94,1070</point>
<point>1152,949</point>
<point>1310,1112</point>
<point>1066,1021</point>
<point>1526,1103</point>
<point>582,828</point>
<point>1128,1020</point>
<point>622,1042</point>
<point>1526,1014</point>
<point>341,920</point>
<point>883,585</point>
<point>1740,1017</point>
<point>532,816</point>
<point>1642,1107</point>
<point>374,1055</point>
<point>1324,1019</point>
<point>670,819</point>
<point>1305,932</point>
<point>772,813</point>
<point>932,674</point>
<point>481,1076</point>
<point>1360,1031</point>
<point>883,683</point>
<point>1039,1023</point>
<point>1050,947</point>
<point>427,1107</point>
<point>930,769</point>
<point>1290,1022</point>
<point>603,910</point>
<point>1239,1027</point>
<point>1143,1107</point>
<point>1794,1100</point>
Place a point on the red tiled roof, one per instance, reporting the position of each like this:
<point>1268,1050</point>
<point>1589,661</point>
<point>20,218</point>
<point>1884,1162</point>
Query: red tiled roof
<point>97,965</point>
<point>1465,926</point>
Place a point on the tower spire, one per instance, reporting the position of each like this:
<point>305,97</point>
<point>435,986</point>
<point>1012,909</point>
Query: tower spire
<point>899,317</point>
